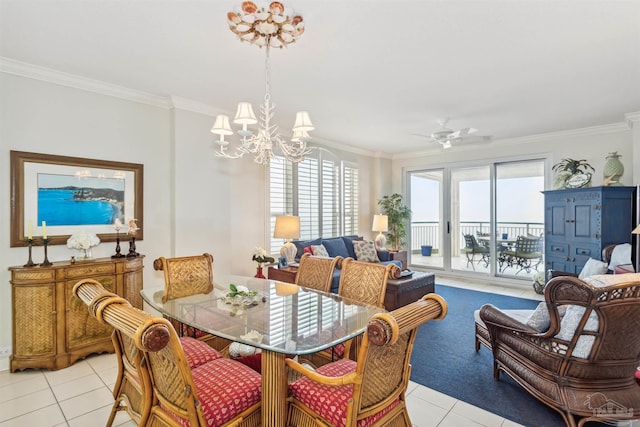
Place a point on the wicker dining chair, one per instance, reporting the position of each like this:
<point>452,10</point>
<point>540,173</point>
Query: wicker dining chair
<point>316,272</point>
<point>185,276</point>
<point>132,389</point>
<point>365,282</point>
<point>218,392</point>
<point>372,390</point>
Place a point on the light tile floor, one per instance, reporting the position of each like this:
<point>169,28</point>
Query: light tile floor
<point>80,395</point>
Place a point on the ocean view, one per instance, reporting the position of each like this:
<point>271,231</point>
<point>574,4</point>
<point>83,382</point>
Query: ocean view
<point>58,207</point>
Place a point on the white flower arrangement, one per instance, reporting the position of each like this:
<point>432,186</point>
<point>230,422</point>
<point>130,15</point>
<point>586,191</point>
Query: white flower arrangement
<point>539,278</point>
<point>82,241</point>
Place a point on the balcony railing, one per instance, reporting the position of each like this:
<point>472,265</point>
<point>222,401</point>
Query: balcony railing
<point>428,233</point>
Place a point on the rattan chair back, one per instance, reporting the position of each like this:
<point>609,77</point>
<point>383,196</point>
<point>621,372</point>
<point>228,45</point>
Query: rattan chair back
<point>366,282</point>
<point>132,391</point>
<point>316,272</point>
<point>184,276</point>
<point>383,369</point>
<point>174,399</point>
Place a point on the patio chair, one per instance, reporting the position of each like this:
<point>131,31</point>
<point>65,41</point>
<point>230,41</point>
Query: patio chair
<point>218,392</point>
<point>316,272</point>
<point>578,351</point>
<point>372,390</point>
<point>132,390</point>
<point>473,248</point>
<point>526,255</point>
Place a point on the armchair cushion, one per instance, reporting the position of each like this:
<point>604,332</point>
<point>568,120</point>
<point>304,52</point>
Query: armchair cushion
<point>365,251</point>
<point>593,267</point>
<point>330,402</point>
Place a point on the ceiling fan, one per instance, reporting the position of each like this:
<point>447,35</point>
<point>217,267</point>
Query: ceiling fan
<point>445,136</point>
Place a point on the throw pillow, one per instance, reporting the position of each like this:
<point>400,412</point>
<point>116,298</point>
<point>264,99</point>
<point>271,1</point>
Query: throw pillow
<point>307,250</point>
<point>365,251</point>
<point>319,250</point>
<point>620,255</point>
<point>336,247</point>
<point>593,267</point>
<point>539,319</point>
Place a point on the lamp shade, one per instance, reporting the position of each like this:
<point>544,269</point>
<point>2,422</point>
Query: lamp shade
<point>636,230</point>
<point>244,114</point>
<point>221,125</point>
<point>303,122</point>
<point>380,223</point>
<point>287,227</point>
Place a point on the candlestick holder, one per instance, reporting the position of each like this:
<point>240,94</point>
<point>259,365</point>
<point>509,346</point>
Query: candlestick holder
<point>30,263</point>
<point>132,248</point>
<point>46,261</point>
<point>118,254</point>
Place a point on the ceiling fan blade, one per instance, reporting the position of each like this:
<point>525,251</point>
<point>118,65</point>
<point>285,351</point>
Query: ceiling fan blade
<point>462,132</point>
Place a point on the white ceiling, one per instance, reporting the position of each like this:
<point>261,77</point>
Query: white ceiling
<point>371,73</point>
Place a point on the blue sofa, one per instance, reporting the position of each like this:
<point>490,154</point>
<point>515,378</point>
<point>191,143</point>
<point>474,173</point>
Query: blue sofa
<point>339,246</point>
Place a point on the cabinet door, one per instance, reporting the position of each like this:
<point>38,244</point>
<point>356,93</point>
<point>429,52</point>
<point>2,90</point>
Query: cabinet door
<point>585,218</point>
<point>34,320</point>
<point>556,222</point>
<point>82,328</point>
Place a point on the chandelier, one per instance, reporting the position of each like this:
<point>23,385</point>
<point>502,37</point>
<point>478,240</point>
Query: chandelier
<point>272,27</point>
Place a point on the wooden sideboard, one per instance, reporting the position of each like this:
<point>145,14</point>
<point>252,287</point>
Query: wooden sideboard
<point>52,328</point>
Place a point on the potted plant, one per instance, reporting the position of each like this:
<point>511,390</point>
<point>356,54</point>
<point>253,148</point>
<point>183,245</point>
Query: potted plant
<point>398,215</point>
<point>572,173</point>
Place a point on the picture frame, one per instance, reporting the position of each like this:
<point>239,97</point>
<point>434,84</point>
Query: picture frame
<point>282,262</point>
<point>72,194</point>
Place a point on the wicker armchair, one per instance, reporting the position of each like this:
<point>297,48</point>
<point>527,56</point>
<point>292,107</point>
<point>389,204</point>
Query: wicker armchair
<point>217,391</point>
<point>581,362</point>
<point>316,272</point>
<point>372,390</point>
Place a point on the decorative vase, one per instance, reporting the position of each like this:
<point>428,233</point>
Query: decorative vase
<point>259,274</point>
<point>87,254</point>
<point>613,169</point>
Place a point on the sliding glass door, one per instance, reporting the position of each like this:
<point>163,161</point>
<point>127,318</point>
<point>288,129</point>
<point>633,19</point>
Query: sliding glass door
<point>469,218</point>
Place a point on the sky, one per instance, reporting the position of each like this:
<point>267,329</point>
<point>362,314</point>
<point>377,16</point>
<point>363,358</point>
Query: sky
<point>518,200</point>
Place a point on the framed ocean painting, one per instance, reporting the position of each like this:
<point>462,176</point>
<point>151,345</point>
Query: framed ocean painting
<point>72,194</point>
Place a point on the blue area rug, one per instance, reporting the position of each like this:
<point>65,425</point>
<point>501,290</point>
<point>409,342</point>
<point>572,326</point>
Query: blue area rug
<point>445,360</point>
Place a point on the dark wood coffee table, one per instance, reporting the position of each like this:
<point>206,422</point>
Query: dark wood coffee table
<point>403,291</point>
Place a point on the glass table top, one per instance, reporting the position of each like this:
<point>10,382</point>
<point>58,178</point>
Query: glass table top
<point>288,318</point>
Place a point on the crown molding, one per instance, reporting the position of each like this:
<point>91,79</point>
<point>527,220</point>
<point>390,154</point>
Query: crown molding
<point>632,118</point>
<point>194,106</point>
<point>23,69</point>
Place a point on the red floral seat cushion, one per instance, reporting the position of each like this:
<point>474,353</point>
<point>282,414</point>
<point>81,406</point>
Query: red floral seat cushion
<point>197,352</point>
<point>224,388</point>
<point>330,402</point>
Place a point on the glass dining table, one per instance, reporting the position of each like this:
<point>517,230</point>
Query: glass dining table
<point>286,319</point>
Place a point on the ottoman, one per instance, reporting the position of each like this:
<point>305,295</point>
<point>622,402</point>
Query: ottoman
<point>405,290</point>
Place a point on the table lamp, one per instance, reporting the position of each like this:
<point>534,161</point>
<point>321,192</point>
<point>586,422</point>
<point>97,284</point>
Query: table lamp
<point>380,224</point>
<point>287,227</point>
